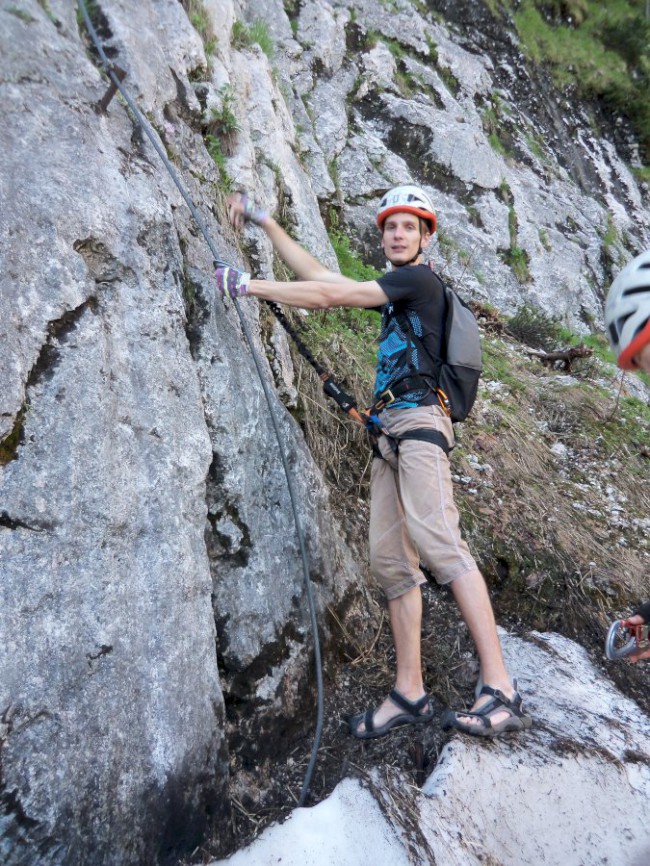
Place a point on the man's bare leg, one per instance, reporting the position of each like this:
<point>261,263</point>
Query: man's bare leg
<point>406,624</point>
<point>473,600</point>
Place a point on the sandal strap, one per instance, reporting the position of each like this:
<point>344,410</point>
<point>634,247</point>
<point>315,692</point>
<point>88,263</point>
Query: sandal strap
<point>412,707</point>
<point>512,703</point>
<point>369,721</point>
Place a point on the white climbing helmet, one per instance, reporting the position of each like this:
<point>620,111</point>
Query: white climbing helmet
<point>627,313</point>
<point>410,199</point>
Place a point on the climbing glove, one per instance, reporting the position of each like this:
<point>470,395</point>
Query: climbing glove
<point>251,213</point>
<point>231,282</point>
<point>248,212</point>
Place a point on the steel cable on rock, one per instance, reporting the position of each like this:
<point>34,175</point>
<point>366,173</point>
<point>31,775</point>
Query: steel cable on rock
<point>151,135</point>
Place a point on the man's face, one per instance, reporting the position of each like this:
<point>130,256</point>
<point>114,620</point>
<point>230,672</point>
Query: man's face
<point>400,239</point>
<point>643,358</point>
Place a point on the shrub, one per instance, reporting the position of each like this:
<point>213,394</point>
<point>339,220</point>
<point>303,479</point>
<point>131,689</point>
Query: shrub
<point>534,327</point>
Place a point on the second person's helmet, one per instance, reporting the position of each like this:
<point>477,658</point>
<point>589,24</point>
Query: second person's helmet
<point>627,313</point>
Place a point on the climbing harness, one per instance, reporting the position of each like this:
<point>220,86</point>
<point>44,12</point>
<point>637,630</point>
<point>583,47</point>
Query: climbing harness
<point>115,76</point>
<point>624,638</point>
<point>368,417</point>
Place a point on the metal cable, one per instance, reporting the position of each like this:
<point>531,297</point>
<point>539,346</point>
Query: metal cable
<point>153,138</point>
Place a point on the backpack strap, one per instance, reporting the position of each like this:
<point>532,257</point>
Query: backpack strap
<point>436,363</point>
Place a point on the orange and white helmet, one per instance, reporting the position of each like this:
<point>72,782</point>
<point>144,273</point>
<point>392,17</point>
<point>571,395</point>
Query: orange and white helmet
<point>410,199</point>
<point>627,312</point>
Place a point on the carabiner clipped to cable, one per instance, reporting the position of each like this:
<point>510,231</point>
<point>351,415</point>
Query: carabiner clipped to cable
<point>624,638</point>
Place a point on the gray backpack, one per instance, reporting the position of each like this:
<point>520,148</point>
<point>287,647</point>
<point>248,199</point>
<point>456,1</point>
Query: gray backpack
<point>458,369</point>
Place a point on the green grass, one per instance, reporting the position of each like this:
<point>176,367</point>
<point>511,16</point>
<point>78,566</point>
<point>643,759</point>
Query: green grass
<point>517,259</point>
<point>543,239</point>
<point>498,366</point>
<point>243,36</point>
<point>21,13</point>
<point>213,145</point>
<point>223,121</point>
<point>91,8</point>
<point>642,173</point>
<point>349,262</point>
<point>597,342</point>
<point>610,236</point>
<point>354,331</point>
<point>602,53</point>
<point>9,445</point>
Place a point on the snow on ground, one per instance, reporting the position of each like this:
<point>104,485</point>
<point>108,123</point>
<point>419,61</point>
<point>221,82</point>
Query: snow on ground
<point>347,828</point>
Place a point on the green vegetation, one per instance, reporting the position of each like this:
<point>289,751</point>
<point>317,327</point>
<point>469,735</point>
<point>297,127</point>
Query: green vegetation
<point>433,50</point>
<point>244,36</point>
<point>349,262</point>
<point>534,327</point>
<point>516,257</point>
<point>598,343</point>
<point>45,6</point>
<point>20,13</point>
<point>610,236</point>
<point>223,121</point>
<point>451,82</point>
<point>599,49</point>
<point>351,331</point>
<point>9,445</point>
<point>642,174</point>
<point>200,19</point>
<point>498,366</point>
<point>544,241</point>
<point>494,120</point>
<point>92,9</point>
<point>491,125</point>
<point>213,145</point>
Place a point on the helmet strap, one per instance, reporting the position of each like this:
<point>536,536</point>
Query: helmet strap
<point>420,251</point>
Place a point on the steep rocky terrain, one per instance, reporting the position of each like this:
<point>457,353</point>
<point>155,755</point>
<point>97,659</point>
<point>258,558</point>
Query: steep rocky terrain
<point>156,655</point>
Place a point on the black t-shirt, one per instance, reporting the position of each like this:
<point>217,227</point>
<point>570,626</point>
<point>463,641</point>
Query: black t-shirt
<point>415,291</point>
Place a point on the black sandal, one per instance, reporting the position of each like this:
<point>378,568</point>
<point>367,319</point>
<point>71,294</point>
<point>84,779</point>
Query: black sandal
<point>412,715</point>
<point>516,719</point>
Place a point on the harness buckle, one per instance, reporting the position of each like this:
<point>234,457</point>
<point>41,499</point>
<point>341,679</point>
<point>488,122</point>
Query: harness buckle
<point>385,399</point>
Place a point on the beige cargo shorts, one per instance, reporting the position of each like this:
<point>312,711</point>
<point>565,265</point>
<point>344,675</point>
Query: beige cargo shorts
<point>413,517</point>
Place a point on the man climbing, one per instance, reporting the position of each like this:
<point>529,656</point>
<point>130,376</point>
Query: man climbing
<point>627,318</point>
<point>413,516</point>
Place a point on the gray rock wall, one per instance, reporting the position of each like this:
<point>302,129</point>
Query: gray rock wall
<point>141,494</point>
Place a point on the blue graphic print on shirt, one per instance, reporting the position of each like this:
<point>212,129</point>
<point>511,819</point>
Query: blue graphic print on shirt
<point>394,360</point>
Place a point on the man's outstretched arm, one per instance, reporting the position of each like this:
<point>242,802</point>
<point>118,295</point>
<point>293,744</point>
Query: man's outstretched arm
<point>319,294</point>
<point>302,263</point>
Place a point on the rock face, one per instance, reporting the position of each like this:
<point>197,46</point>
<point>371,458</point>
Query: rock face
<point>573,791</point>
<point>149,563</point>
<point>141,495</point>
<point>111,728</point>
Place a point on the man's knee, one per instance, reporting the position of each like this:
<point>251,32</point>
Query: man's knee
<point>396,577</point>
